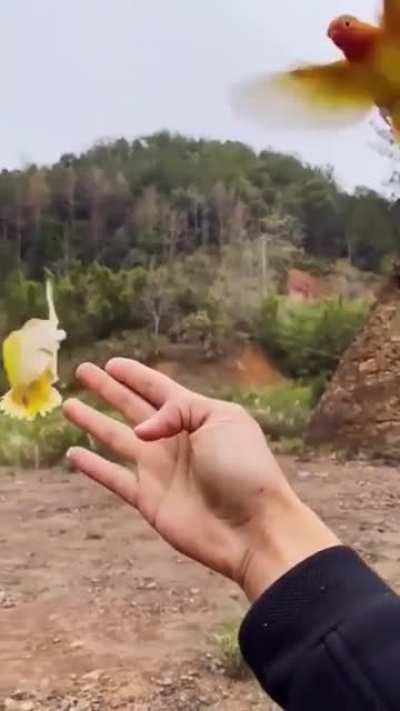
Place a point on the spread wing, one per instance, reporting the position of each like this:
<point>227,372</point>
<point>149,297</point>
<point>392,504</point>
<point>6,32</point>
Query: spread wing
<point>310,96</point>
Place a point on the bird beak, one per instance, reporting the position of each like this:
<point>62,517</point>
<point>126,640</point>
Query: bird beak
<point>331,32</point>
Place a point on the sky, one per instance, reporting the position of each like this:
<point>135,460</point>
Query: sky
<point>78,71</point>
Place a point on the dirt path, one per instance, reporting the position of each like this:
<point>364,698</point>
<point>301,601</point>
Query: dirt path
<point>96,612</point>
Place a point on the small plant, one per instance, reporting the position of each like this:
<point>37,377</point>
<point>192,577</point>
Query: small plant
<point>228,651</point>
<point>293,446</point>
<point>281,411</point>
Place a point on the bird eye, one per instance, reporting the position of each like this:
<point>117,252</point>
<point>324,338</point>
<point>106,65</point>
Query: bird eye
<point>347,23</point>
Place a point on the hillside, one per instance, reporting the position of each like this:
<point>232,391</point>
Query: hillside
<point>169,242</point>
<point>150,201</point>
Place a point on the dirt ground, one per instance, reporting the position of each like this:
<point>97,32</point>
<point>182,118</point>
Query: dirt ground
<point>97,613</point>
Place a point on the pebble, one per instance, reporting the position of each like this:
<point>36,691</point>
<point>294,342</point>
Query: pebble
<point>76,645</point>
<point>94,675</point>
<point>302,474</point>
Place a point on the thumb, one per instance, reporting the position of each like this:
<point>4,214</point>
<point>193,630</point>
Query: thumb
<point>174,417</point>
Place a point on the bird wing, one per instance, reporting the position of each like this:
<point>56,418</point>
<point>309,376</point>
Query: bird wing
<point>310,96</point>
<point>31,351</point>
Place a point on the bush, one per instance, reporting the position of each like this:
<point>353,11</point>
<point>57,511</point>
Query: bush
<point>137,344</point>
<point>91,302</point>
<point>94,302</point>
<point>308,339</point>
<point>281,411</point>
<point>43,442</point>
<point>317,266</point>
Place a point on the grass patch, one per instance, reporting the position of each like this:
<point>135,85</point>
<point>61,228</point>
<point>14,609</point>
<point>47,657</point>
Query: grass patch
<point>228,651</point>
<point>282,411</point>
<point>292,446</point>
<point>43,442</point>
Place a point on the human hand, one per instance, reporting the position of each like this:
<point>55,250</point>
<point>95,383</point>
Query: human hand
<point>204,477</point>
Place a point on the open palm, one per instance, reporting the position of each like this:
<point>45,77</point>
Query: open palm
<point>203,472</point>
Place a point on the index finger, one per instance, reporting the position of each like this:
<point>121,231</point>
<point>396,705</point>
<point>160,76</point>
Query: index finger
<point>151,385</point>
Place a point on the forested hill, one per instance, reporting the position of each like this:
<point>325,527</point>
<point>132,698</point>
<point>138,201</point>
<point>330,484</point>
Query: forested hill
<point>149,201</point>
<point>180,249</point>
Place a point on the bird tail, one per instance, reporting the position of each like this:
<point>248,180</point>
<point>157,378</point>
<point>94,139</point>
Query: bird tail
<point>50,302</point>
<point>39,399</point>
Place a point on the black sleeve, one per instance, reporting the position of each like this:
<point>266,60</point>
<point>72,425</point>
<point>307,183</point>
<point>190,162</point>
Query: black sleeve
<point>326,637</point>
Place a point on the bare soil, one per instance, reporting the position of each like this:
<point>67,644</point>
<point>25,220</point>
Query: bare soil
<point>97,613</point>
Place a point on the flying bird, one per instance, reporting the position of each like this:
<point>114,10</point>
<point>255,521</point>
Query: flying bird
<point>339,93</point>
<point>30,358</point>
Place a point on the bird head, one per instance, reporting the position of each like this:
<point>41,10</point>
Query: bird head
<point>353,37</point>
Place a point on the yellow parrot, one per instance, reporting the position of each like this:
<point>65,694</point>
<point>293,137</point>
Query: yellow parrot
<point>30,360</point>
<point>340,92</point>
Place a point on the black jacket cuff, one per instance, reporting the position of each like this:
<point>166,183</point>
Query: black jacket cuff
<point>299,610</point>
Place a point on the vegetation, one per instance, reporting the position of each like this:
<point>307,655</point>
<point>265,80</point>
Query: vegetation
<point>148,202</point>
<point>282,411</point>
<point>228,651</point>
<point>35,444</point>
<point>171,239</point>
<point>308,339</point>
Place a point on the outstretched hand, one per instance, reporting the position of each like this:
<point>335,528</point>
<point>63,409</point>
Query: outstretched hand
<point>203,475</point>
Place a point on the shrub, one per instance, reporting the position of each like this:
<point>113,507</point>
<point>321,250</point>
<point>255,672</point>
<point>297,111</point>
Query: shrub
<point>308,339</point>
<point>137,344</point>
<point>43,442</point>
<point>91,302</point>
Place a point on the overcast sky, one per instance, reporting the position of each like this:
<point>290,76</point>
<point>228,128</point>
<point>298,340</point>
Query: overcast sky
<point>74,71</point>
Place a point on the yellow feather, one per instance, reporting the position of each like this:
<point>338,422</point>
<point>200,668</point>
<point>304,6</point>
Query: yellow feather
<point>12,358</point>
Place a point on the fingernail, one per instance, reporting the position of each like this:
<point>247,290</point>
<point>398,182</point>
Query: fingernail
<point>112,363</point>
<point>81,368</point>
<point>69,453</point>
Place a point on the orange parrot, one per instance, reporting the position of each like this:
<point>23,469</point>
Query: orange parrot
<point>341,92</point>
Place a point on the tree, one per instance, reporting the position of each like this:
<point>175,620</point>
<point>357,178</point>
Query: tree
<point>157,297</point>
<point>158,199</point>
<point>371,232</point>
<point>62,181</point>
<point>223,199</point>
<point>97,188</point>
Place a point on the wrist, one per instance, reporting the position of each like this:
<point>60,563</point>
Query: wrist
<point>287,534</point>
